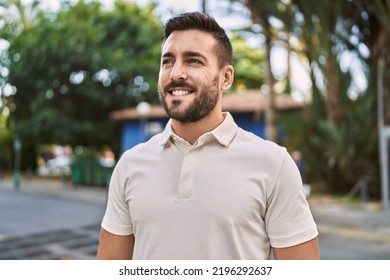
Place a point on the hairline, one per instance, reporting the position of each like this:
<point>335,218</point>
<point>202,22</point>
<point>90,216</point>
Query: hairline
<point>217,45</point>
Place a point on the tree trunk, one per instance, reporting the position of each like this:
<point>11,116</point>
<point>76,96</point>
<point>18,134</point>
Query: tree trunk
<point>333,103</point>
<point>204,9</point>
<point>261,15</point>
<point>332,72</point>
<point>271,128</point>
<point>386,77</point>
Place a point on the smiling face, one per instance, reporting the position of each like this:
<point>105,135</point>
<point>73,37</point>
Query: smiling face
<point>190,80</point>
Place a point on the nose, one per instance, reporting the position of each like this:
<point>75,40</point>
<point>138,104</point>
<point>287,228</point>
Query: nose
<point>178,72</point>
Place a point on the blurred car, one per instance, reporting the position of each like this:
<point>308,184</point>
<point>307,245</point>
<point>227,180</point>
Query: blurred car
<point>59,165</point>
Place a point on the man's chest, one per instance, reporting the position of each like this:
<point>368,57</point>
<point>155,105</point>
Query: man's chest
<point>192,189</point>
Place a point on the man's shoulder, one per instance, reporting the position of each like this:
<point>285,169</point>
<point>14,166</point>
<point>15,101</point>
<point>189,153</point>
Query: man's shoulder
<point>248,145</point>
<point>252,140</point>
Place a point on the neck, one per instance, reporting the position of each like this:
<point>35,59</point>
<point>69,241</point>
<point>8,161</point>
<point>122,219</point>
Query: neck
<point>192,131</point>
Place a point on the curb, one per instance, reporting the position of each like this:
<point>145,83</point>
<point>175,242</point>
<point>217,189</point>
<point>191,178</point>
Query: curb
<point>354,233</point>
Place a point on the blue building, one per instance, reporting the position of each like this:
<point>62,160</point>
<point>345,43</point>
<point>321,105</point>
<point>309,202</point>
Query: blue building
<point>247,109</point>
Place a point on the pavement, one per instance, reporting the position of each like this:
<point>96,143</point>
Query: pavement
<point>362,220</point>
<point>351,231</point>
<point>51,219</point>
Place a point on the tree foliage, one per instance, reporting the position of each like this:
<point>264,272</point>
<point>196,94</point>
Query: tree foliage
<point>5,146</point>
<point>74,67</point>
<point>71,68</point>
<point>337,132</point>
<point>248,64</point>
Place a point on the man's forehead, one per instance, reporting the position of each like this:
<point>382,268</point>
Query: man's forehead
<point>189,40</point>
<point>192,37</point>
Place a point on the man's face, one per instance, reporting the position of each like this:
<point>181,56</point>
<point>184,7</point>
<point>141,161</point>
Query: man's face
<point>189,81</point>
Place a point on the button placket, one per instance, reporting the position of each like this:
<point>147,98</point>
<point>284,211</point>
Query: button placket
<point>184,191</point>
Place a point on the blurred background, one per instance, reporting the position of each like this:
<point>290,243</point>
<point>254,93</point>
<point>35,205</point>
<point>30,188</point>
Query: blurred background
<point>78,86</point>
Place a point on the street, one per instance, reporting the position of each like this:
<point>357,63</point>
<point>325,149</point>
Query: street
<point>352,233</point>
<point>55,224</point>
<point>342,247</point>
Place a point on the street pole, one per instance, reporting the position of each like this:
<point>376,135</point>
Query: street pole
<point>17,149</point>
<point>384,136</point>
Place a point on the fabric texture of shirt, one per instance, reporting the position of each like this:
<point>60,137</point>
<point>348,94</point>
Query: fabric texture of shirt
<point>230,195</point>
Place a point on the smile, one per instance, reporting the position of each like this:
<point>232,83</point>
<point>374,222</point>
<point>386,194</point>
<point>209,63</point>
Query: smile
<point>180,92</point>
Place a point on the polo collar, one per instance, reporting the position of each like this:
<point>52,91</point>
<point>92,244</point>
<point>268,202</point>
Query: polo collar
<point>224,133</point>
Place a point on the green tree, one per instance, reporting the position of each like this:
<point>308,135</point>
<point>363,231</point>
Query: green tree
<point>379,41</point>
<point>73,67</point>
<point>248,62</point>
<point>345,126</point>
<point>14,17</point>
<point>5,146</point>
<point>337,151</point>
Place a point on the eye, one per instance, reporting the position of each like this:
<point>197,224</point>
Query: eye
<point>194,61</point>
<point>167,61</point>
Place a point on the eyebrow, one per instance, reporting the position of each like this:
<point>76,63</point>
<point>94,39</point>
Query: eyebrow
<point>187,54</point>
<point>194,54</point>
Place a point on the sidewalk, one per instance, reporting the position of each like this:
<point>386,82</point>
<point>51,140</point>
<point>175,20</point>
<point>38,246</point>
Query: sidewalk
<point>365,221</point>
<point>46,219</point>
<point>56,187</point>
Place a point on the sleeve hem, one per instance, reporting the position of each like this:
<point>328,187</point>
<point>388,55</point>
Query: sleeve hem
<point>295,240</point>
<point>118,230</point>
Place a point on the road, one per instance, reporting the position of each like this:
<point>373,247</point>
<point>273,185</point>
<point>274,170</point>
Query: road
<point>352,233</point>
<point>50,225</point>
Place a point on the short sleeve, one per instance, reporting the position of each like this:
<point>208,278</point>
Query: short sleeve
<point>117,219</point>
<point>289,220</point>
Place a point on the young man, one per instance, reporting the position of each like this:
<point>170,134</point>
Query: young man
<point>204,188</point>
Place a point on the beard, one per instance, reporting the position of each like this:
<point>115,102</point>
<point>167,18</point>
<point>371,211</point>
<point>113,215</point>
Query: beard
<point>202,104</point>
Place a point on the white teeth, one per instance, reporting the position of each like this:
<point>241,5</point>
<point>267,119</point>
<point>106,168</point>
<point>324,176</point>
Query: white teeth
<point>180,92</point>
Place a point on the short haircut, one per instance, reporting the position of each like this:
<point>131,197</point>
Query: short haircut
<point>206,23</point>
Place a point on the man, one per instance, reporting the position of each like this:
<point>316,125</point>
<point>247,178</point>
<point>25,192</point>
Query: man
<point>204,188</point>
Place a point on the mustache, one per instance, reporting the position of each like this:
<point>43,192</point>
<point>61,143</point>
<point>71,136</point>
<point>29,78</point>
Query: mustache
<point>181,84</point>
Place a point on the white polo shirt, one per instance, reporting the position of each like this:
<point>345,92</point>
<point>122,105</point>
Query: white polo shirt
<point>231,195</point>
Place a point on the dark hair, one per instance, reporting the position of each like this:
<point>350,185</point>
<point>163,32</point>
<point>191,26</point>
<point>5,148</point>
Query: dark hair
<point>206,23</point>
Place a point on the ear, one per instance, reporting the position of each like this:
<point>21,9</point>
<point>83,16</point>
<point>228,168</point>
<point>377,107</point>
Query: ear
<point>228,77</point>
